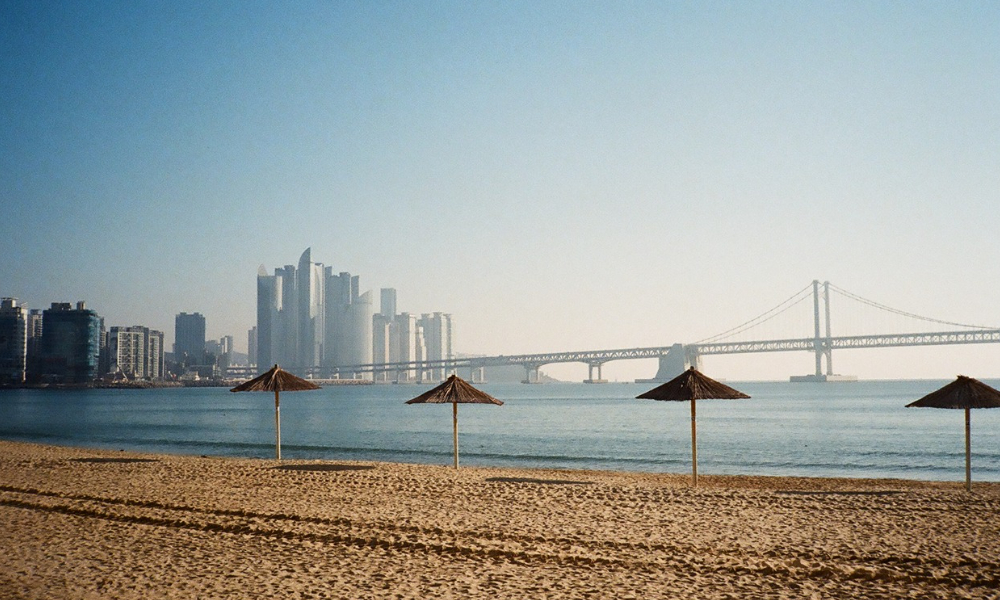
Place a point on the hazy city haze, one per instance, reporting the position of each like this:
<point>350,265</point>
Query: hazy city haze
<point>557,176</point>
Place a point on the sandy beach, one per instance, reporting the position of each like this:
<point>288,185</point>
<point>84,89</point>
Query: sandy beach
<point>83,523</point>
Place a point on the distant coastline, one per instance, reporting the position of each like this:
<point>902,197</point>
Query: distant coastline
<point>148,385</point>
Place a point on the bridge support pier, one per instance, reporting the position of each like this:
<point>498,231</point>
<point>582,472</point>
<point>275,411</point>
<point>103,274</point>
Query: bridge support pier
<point>592,366</point>
<point>478,374</point>
<point>531,373</point>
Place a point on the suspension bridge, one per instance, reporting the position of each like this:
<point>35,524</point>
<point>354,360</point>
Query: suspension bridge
<point>675,358</point>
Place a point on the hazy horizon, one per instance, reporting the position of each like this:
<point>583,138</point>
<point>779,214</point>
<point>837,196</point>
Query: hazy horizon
<point>557,176</point>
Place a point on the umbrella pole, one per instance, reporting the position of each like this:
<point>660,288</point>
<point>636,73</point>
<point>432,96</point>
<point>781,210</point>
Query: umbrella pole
<point>277,427</point>
<point>694,447</point>
<point>454,421</point>
<point>968,452</point>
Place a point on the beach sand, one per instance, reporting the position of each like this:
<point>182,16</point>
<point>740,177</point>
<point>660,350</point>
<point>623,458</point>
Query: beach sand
<point>95,524</point>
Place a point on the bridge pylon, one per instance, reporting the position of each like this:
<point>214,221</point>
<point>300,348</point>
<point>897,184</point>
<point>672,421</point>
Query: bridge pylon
<point>822,344</point>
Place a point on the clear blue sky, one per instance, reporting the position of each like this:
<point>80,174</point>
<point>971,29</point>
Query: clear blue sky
<point>557,175</point>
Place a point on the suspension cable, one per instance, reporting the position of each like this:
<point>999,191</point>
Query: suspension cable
<point>761,318</point>
<point>903,313</point>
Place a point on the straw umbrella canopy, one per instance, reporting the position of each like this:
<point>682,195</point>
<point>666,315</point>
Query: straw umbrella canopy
<point>455,391</point>
<point>692,385</point>
<point>964,393</point>
<point>276,380</point>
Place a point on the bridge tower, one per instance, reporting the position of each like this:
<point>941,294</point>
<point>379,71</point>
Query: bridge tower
<point>822,342</point>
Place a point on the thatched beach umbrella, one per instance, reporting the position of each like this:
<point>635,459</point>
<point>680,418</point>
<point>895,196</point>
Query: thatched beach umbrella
<point>692,385</point>
<point>276,380</point>
<point>454,391</point>
<point>968,393</point>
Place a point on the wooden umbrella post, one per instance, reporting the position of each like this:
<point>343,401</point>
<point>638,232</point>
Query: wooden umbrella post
<point>277,427</point>
<point>694,447</point>
<point>454,422</point>
<point>968,451</point>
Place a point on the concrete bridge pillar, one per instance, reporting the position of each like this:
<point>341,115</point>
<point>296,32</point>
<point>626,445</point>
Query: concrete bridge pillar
<point>531,373</point>
<point>592,366</point>
<point>478,374</point>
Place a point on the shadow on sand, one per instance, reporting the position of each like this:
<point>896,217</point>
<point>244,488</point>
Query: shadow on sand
<point>323,467</point>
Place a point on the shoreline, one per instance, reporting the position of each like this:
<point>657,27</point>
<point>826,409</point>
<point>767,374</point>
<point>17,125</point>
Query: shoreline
<point>103,523</point>
<point>731,478</point>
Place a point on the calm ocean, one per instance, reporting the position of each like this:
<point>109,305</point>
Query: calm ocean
<point>844,429</point>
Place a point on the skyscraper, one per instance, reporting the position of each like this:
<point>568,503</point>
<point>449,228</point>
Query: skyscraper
<point>406,344</point>
<point>154,354</point>
<point>33,369</point>
<point>348,322</point>
<point>436,329</point>
<point>71,343</point>
<point>189,339</point>
<point>252,345</point>
<point>13,341</point>
<point>387,297</point>
<point>310,287</point>
<point>311,321</point>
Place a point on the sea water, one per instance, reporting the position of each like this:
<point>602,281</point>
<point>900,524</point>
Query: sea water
<point>858,429</point>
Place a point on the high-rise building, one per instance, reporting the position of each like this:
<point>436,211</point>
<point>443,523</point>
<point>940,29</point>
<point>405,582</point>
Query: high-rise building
<point>387,306</point>
<point>348,323</point>
<point>311,321</point>
<point>310,287</point>
<point>13,341</point>
<point>404,338</point>
<point>189,339</point>
<point>252,345</point>
<point>135,352</point>
<point>221,350</point>
<point>154,354</point>
<point>127,348</point>
<point>287,344</point>
<point>403,343</point>
<point>382,345</point>
<point>71,343</point>
<point>436,329</point>
<point>33,369</point>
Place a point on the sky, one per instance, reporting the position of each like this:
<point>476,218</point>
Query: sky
<point>556,175</point>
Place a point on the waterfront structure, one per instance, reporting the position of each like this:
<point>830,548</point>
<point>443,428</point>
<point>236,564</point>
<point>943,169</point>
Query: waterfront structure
<point>189,339</point>
<point>71,343</point>
<point>13,341</point>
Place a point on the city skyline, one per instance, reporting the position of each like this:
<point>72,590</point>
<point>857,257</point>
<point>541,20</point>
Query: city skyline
<point>556,176</point>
